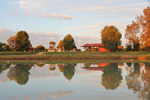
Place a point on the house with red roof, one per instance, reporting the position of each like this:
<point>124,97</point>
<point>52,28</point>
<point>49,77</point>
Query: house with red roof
<point>95,47</point>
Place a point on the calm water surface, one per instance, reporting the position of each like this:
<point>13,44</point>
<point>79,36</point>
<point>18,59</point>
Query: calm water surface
<point>71,81</point>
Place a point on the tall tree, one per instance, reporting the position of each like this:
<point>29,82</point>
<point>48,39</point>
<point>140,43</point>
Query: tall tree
<point>144,21</point>
<point>52,44</point>
<point>111,38</point>
<point>132,34</point>
<point>60,45</point>
<point>24,41</point>
<point>68,42</point>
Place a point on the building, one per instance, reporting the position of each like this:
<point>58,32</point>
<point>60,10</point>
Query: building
<point>97,47</point>
<point>51,50</point>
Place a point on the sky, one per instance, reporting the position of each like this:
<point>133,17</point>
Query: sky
<point>52,20</point>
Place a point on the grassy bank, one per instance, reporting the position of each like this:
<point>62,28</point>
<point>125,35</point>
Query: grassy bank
<point>142,55</point>
<point>17,53</point>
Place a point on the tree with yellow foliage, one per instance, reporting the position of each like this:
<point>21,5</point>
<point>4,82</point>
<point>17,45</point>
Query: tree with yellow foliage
<point>132,34</point>
<point>52,44</point>
<point>111,37</point>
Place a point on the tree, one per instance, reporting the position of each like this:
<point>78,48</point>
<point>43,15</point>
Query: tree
<point>40,47</point>
<point>13,43</point>
<point>24,41</point>
<point>52,44</point>
<point>111,37</point>
<point>147,44</point>
<point>68,42</point>
<point>129,48</point>
<point>60,45</point>
<point>132,34</point>
<point>4,47</point>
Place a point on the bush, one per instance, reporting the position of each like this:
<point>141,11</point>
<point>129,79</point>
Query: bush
<point>129,48</point>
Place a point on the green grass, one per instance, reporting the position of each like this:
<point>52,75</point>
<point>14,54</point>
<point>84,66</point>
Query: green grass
<point>18,53</point>
<point>103,54</point>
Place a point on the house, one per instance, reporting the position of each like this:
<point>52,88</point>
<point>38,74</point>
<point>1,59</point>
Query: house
<point>51,50</point>
<point>96,47</point>
<point>31,50</point>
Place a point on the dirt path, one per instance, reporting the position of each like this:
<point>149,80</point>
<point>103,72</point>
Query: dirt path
<point>40,53</point>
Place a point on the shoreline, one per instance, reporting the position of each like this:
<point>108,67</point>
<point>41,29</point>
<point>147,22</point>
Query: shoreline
<point>32,57</point>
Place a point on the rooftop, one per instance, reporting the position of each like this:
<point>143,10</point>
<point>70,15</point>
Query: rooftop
<point>93,45</point>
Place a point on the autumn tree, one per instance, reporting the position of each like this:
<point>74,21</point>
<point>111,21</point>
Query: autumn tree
<point>111,38</point>
<point>13,43</point>
<point>40,47</point>
<point>144,21</point>
<point>68,42</point>
<point>52,44</point>
<point>24,41</point>
<point>60,45</point>
<point>132,35</point>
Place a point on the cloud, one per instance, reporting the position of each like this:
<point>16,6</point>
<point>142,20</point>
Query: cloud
<point>54,95</point>
<point>95,8</point>
<point>5,34</point>
<point>54,16</point>
<point>14,13</point>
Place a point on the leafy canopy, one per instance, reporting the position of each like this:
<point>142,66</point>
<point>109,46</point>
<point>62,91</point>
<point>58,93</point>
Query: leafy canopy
<point>111,37</point>
<point>68,42</point>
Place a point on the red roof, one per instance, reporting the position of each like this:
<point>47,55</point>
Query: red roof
<point>93,68</point>
<point>93,45</point>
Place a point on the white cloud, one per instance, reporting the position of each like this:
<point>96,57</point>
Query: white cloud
<point>54,16</point>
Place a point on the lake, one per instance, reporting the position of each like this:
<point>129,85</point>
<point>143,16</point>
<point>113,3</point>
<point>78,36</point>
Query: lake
<point>75,81</point>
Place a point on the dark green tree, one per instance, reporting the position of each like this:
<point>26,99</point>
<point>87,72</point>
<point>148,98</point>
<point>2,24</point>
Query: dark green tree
<point>68,42</point>
<point>111,78</point>
<point>129,48</point>
<point>111,36</point>
<point>69,71</point>
<point>4,47</point>
<point>24,42</point>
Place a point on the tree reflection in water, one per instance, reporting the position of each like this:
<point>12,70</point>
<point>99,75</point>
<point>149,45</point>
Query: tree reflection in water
<point>4,67</point>
<point>138,80</point>
<point>69,71</point>
<point>133,80</point>
<point>19,73</point>
<point>111,77</point>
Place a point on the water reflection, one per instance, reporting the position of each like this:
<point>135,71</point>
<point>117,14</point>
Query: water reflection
<point>69,71</point>
<point>19,73</point>
<point>138,80</point>
<point>135,76</point>
<point>111,77</point>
